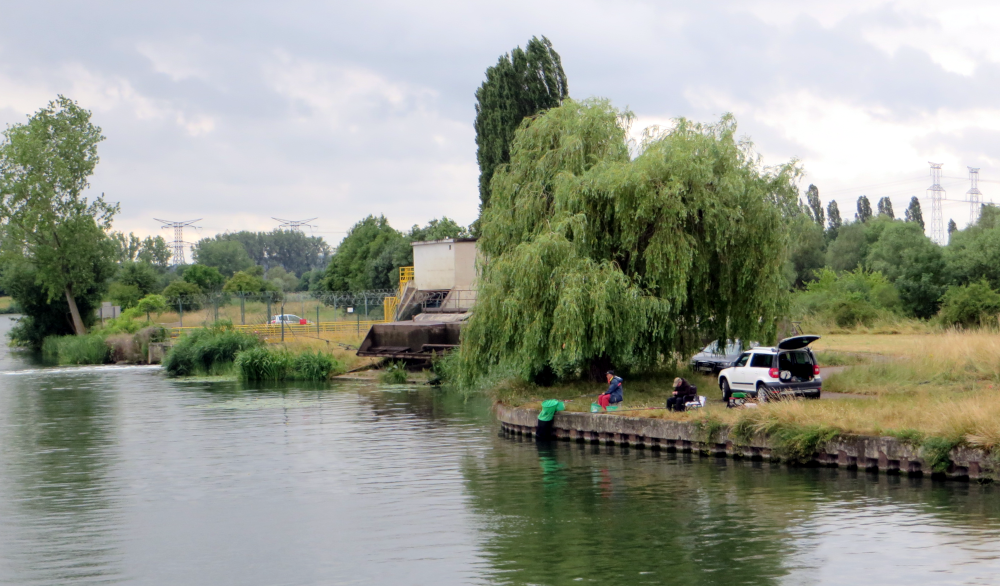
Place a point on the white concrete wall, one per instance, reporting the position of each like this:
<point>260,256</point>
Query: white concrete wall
<point>434,265</point>
<point>465,265</point>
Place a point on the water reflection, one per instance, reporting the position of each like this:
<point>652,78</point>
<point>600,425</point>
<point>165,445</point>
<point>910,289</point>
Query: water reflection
<point>121,475</point>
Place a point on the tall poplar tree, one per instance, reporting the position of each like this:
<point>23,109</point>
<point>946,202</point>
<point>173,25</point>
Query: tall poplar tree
<point>521,84</point>
<point>885,208</point>
<point>815,205</point>
<point>864,209</point>
<point>913,213</point>
<point>833,215</point>
<point>45,164</point>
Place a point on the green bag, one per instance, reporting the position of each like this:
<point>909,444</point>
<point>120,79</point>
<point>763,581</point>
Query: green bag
<point>596,408</point>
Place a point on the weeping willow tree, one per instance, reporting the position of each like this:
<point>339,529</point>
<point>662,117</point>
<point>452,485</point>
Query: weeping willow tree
<point>595,259</point>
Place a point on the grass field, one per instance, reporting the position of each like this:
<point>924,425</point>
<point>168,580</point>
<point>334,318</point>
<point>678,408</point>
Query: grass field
<point>943,385</point>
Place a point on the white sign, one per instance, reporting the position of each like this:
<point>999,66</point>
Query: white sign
<point>350,310</point>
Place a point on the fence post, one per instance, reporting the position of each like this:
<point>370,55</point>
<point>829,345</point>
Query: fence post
<point>215,304</point>
<point>317,320</point>
<point>180,305</point>
<point>366,306</point>
<point>243,315</point>
<point>282,320</point>
<point>268,322</point>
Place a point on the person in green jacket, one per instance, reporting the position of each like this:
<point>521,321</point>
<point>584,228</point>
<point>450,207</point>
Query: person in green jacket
<point>545,418</point>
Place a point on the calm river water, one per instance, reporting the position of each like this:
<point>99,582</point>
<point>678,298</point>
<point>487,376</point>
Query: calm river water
<point>120,475</point>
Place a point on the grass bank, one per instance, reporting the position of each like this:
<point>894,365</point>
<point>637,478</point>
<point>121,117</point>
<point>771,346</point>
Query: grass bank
<point>110,346</point>
<point>936,389</point>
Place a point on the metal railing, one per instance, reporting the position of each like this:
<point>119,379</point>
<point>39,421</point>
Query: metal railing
<point>357,327</point>
<point>453,301</point>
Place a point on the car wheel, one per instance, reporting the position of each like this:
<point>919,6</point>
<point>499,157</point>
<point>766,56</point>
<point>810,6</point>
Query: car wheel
<point>761,393</point>
<point>726,393</point>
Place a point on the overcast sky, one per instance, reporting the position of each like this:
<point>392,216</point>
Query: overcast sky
<point>237,112</point>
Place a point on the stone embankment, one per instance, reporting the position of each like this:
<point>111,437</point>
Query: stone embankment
<point>883,454</point>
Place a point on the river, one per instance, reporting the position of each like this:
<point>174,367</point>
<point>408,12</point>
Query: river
<point>120,475</point>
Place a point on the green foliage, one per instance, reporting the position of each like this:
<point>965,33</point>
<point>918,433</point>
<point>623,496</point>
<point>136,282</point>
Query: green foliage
<point>178,290</point>
<point>152,304</point>
<point>243,282</point>
<point>970,305</point>
<point>864,210</point>
<point>885,208</point>
<point>263,364</point>
<point>42,317</point>
<point>952,227</point>
<point>274,365</point>
<point>849,299</point>
<point>282,279</point>
<point>206,349</point>
<point>87,349</point>
<point>315,366</point>
<point>598,259</point>
<point>911,437</point>
<point>913,213</point>
<point>520,85</point>
<point>849,248</point>
<point>227,256</point>
<point>815,206</point>
<point>205,277</point>
<point>833,215</point>
<point>143,276</point>
<point>45,164</point>
<point>973,254</point>
<point>150,251</point>
<point>290,249</point>
<point>124,295</point>
<point>799,443</point>
<point>393,374</point>
<point>438,230</point>
<point>806,248</point>
<point>912,262</point>
<point>364,259</point>
<point>936,452</point>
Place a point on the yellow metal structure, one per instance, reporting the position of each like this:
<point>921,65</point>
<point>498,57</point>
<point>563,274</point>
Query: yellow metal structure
<point>389,306</point>
<point>405,276</point>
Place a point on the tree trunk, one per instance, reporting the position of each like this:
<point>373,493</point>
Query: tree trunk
<point>75,312</point>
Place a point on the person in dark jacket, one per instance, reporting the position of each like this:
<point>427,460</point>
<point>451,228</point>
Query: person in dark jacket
<point>613,395</point>
<point>683,392</point>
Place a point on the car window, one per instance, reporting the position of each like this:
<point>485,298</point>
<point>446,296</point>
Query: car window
<point>710,349</point>
<point>787,359</point>
<point>743,360</point>
<point>733,349</point>
<point>762,360</point>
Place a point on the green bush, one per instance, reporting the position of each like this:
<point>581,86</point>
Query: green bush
<point>263,364</point>
<point>206,350</point>
<point>272,365</point>
<point>394,374</point>
<point>316,366</point>
<point>851,312</point>
<point>970,305</point>
<point>89,349</point>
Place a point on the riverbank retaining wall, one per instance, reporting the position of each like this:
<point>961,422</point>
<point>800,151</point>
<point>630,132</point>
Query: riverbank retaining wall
<point>884,454</point>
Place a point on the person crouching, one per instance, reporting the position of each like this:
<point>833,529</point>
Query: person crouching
<point>614,394</point>
<point>544,429</point>
<point>683,392</point>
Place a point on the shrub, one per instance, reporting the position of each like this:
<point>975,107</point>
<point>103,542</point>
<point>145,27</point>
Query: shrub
<point>189,292</point>
<point>315,367</point>
<point>853,311</point>
<point>969,305</point>
<point>263,364</point>
<point>394,374</point>
<point>89,349</point>
<point>123,348</point>
<point>207,349</point>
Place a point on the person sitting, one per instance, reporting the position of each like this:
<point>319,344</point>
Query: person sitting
<point>545,427</point>
<point>683,393</point>
<point>613,395</point>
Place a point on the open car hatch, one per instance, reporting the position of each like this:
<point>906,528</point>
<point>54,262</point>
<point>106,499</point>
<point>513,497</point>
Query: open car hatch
<point>796,342</point>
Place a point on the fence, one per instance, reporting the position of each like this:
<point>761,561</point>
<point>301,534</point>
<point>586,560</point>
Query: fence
<point>329,312</point>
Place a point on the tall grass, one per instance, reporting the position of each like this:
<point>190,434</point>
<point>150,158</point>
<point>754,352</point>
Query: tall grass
<point>206,351</point>
<point>393,374</point>
<point>273,365</point>
<point>88,349</point>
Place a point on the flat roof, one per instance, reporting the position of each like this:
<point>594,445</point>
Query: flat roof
<point>445,241</point>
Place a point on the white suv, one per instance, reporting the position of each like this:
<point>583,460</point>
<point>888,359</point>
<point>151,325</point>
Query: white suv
<point>788,369</point>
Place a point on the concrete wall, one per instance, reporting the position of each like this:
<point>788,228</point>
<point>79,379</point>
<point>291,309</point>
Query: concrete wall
<point>883,454</point>
<point>444,264</point>
<point>434,265</point>
<point>465,265</point>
